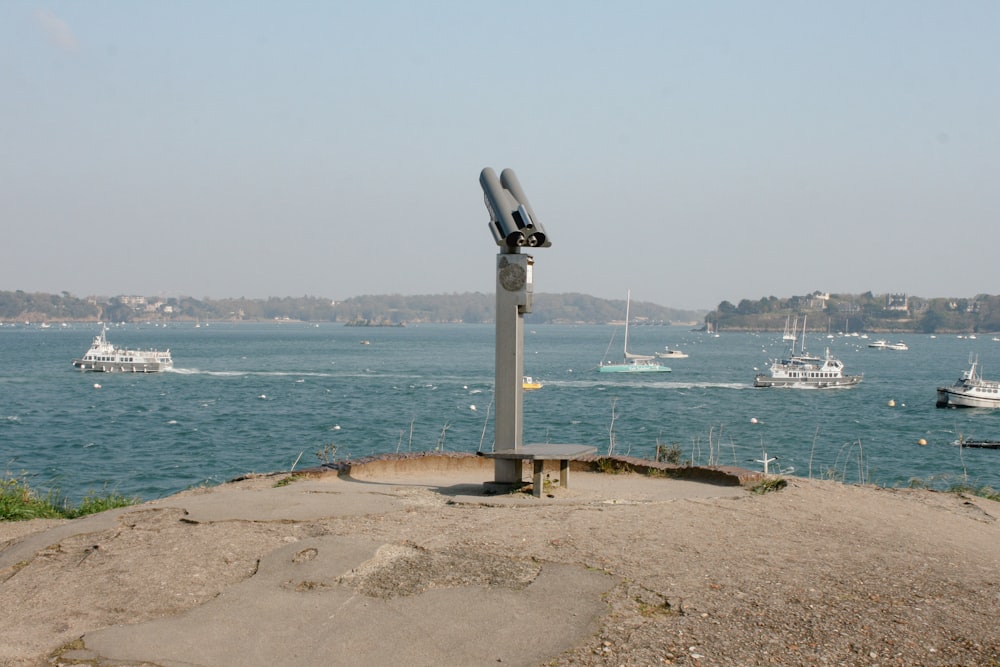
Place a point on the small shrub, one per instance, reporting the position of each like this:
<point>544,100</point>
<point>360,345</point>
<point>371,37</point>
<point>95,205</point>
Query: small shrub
<point>768,485</point>
<point>668,453</point>
<point>327,454</point>
<point>988,492</point>
<point>648,610</point>
<point>613,466</point>
<point>960,487</point>
<point>982,492</point>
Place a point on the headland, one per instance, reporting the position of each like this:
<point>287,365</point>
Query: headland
<point>408,560</point>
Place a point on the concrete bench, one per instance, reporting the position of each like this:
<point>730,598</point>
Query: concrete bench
<point>539,454</point>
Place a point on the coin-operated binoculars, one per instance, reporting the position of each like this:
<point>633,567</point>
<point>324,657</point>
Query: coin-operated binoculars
<point>512,220</point>
<point>514,226</point>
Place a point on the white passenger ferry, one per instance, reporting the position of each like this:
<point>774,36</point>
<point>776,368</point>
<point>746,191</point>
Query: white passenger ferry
<point>804,371</point>
<point>104,357</point>
<point>808,372</point>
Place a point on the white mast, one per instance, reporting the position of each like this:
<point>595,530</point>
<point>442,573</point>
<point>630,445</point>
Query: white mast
<point>628,299</point>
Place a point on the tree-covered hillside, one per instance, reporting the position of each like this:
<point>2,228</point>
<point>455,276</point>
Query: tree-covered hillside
<point>822,311</point>
<point>469,307</point>
<point>861,312</point>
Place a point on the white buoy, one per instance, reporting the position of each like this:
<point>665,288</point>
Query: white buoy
<point>753,420</point>
<point>922,442</point>
<point>472,407</point>
<point>892,403</point>
<point>97,386</point>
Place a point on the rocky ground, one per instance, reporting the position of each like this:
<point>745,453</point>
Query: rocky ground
<point>817,573</point>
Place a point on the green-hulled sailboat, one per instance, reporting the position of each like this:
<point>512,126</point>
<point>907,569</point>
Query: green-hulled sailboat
<point>633,363</point>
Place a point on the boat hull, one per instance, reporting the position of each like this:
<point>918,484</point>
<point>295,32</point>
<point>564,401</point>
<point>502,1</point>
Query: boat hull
<point>883,345</point>
<point>764,380</point>
<point>950,398</point>
<point>121,367</point>
<point>634,368</point>
<point>977,444</point>
<point>970,391</point>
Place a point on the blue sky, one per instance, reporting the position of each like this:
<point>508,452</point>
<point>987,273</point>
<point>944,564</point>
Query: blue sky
<point>692,152</point>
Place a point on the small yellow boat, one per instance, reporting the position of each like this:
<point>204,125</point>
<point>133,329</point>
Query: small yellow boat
<point>528,384</point>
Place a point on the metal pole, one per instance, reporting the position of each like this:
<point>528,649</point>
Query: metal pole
<point>514,293</point>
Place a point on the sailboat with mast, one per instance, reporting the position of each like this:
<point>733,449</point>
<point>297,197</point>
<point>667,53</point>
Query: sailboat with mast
<point>633,363</point>
<point>790,335</point>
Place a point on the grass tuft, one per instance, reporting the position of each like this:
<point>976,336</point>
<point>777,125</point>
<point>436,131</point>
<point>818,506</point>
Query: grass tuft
<point>285,481</point>
<point>94,503</point>
<point>18,502</point>
<point>960,488</point>
<point>987,492</point>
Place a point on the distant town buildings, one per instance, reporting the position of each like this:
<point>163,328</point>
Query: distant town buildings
<point>141,304</point>
<point>896,302</point>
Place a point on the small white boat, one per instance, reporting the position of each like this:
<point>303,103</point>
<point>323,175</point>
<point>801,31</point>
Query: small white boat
<point>882,344</point>
<point>970,390</point>
<point>103,357</point>
<point>671,354</point>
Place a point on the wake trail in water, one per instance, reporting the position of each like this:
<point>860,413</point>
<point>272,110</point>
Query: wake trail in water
<point>196,371</point>
<point>643,384</point>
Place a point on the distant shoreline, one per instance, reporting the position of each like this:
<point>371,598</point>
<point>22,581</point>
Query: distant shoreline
<point>693,326</point>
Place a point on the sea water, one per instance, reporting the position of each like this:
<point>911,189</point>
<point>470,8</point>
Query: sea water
<point>264,397</point>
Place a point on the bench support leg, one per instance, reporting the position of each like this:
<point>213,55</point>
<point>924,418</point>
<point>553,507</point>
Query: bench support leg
<point>537,480</point>
<point>564,474</point>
